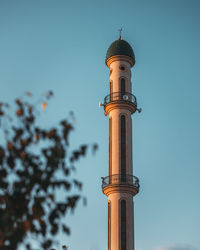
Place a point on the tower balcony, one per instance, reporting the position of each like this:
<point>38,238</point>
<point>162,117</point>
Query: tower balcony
<point>119,96</point>
<point>119,99</point>
<point>116,182</point>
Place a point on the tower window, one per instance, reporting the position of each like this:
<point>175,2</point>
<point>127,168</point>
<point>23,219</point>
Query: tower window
<point>111,90</point>
<point>111,87</point>
<point>109,225</point>
<point>123,148</point>
<point>110,146</point>
<point>123,86</point>
<point>122,68</point>
<point>123,225</point>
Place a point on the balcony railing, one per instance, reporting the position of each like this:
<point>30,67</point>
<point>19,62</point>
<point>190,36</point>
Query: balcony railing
<point>117,179</point>
<point>119,96</point>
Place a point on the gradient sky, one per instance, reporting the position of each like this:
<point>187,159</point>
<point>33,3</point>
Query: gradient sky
<point>61,45</point>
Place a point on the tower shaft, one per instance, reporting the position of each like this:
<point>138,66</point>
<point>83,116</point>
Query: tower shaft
<point>120,185</point>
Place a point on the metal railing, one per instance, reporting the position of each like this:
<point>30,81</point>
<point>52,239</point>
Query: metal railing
<point>119,96</point>
<point>118,179</point>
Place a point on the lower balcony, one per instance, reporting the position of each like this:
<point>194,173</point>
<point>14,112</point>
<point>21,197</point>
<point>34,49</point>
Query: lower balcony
<point>121,182</point>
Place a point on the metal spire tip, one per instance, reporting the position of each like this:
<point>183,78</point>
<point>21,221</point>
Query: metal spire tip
<point>120,34</point>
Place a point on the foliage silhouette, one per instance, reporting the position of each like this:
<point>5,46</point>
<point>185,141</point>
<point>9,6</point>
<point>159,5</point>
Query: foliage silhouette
<point>35,164</point>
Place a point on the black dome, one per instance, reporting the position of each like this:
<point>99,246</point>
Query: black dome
<point>120,47</point>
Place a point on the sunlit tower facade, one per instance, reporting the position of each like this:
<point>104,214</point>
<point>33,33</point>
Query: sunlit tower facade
<point>120,186</point>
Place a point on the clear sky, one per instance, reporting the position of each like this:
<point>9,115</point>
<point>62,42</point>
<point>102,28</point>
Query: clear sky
<point>61,45</point>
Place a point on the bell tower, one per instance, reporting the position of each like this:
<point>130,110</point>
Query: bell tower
<point>120,186</point>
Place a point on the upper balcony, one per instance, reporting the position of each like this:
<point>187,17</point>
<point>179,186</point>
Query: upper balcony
<point>119,96</point>
<point>126,99</point>
<point>127,183</point>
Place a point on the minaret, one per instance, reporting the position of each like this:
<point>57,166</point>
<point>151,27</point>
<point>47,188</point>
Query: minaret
<point>120,185</point>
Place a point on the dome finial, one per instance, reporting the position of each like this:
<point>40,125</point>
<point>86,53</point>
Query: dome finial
<point>120,34</point>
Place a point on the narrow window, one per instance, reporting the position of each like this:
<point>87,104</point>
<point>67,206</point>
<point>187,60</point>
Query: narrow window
<point>123,148</point>
<point>111,87</point>
<point>111,90</point>
<point>109,225</point>
<point>123,225</point>
<point>123,86</point>
<point>110,146</point>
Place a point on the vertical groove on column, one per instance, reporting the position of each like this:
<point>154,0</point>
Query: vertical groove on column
<point>109,225</point>
<point>123,225</point>
<point>111,86</point>
<point>110,146</point>
<point>123,147</point>
<point>123,86</point>
<point>111,89</point>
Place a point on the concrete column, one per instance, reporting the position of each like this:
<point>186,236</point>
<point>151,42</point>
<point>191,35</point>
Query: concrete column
<point>115,220</point>
<point>120,186</point>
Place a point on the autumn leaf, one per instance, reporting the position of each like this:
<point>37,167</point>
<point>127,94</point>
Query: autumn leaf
<point>51,197</point>
<point>22,155</point>
<point>27,225</point>
<point>30,109</point>
<point>23,142</point>
<point>51,133</point>
<point>18,102</point>
<point>44,105</point>
<point>64,247</point>
<point>19,112</point>
<point>9,146</point>
<point>37,137</point>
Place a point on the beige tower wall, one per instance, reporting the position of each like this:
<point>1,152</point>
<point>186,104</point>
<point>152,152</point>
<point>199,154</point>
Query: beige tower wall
<point>115,77</point>
<point>118,188</point>
<point>115,153</point>
<point>114,200</point>
<point>117,74</point>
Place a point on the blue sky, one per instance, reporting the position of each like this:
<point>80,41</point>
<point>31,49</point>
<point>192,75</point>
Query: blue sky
<point>61,45</point>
